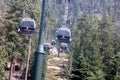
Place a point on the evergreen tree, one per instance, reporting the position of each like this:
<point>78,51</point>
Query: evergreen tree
<point>16,45</point>
<point>12,24</point>
<point>3,55</point>
<point>87,61</point>
<point>116,43</point>
<point>107,47</point>
<point>116,61</point>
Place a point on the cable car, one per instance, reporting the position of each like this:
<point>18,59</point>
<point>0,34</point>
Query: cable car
<point>47,46</point>
<point>64,35</point>
<point>58,1</point>
<point>53,42</point>
<point>27,26</point>
<point>64,48</point>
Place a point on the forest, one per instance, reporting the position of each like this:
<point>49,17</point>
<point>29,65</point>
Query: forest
<point>95,28</point>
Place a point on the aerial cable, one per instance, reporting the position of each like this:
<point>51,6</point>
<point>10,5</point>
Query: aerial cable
<point>31,11</point>
<point>30,8</point>
<point>24,9</point>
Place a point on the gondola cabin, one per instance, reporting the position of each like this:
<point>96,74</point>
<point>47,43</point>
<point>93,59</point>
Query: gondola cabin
<point>47,46</point>
<point>64,48</point>
<point>27,26</point>
<point>64,35</point>
<point>53,42</point>
<point>58,1</point>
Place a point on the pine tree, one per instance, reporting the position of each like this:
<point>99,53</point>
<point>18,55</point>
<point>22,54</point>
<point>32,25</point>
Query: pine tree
<point>87,61</point>
<point>3,55</point>
<point>116,61</point>
<point>16,47</point>
<point>107,47</point>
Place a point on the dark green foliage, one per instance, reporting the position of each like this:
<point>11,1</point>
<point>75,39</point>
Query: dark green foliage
<point>87,61</point>
<point>80,69</point>
<point>116,61</point>
<point>3,55</point>
<point>116,44</point>
<point>13,39</point>
<point>16,44</point>
<point>96,51</point>
<point>107,48</point>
